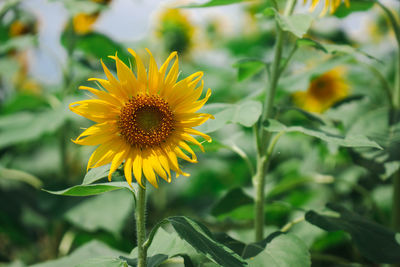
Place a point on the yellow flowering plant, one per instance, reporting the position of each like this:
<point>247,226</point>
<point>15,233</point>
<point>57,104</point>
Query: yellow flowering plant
<point>290,159</point>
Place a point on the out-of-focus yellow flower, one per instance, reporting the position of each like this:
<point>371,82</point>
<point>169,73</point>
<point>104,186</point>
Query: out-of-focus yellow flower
<point>144,120</point>
<point>83,23</point>
<point>330,5</point>
<point>18,28</point>
<point>176,30</point>
<point>323,91</point>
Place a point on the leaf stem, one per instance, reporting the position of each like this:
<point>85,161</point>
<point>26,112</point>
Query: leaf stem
<point>141,225</point>
<point>264,148</point>
<point>153,232</point>
<point>290,224</point>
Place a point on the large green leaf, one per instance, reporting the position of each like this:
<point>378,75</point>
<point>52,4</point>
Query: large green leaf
<point>103,262</point>
<point>201,239</point>
<point>346,141</point>
<point>96,174</point>
<point>245,113</point>
<point>95,44</point>
<point>283,250</point>
<point>19,43</point>
<point>376,125</point>
<point>91,189</point>
<point>308,42</point>
<point>248,68</point>
<point>99,212</point>
<point>298,24</point>
<point>374,241</point>
<point>231,201</point>
<point>93,249</point>
<point>168,244</point>
<point>24,126</point>
<point>355,6</point>
<point>215,3</point>
<point>152,261</point>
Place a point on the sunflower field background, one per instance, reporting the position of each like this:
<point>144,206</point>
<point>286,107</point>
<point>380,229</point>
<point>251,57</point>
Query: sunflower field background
<point>304,164</point>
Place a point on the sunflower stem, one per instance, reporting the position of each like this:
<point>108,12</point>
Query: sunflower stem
<point>264,147</point>
<point>141,225</point>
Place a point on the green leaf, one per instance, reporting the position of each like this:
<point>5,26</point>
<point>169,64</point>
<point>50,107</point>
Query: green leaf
<point>99,212</point>
<point>309,115</point>
<point>231,201</point>
<point>103,262</point>
<point>24,126</point>
<point>283,250</point>
<point>201,239</point>
<point>96,174</point>
<point>298,24</point>
<point>376,124</point>
<point>248,68</point>
<point>96,45</point>
<point>374,241</point>
<point>152,261</point>
<point>355,6</point>
<point>169,244</point>
<point>308,42</point>
<point>91,189</point>
<point>19,43</point>
<point>215,3</point>
<point>347,141</point>
<point>347,49</point>
<point>90,250</point>
<point>20,176</point>
<point>244,113</point>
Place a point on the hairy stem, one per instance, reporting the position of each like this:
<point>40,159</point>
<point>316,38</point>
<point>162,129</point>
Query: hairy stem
<point>263,137</point>
<point>141,226</point>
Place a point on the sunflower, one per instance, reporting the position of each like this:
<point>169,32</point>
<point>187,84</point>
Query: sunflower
<point>332,5</point>
<point>176,30</point>
<point>323,91</point>
<point>144,120</point>
<point>83,23</point>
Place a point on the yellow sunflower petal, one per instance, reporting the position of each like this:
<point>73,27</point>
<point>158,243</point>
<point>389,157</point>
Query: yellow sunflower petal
<point>104,154</point>
<point>115,86</point>
<point>155,163</point>
<point>163,69</point>
<point>149,172</point>
<point>141,71</point>
<point>193,107</point>
<point>137,166</point>
<point>193,140</point>
<point>117,161</point>
<point>186,147</point>
<point>102,95</point>
<point>195,132</point>
<point>128,170</point>
<point>95,110</point>
<point>127,78</point>
<point>153,75</point>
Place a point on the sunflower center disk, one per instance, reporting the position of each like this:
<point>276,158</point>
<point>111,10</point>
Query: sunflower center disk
<point>146,121</point>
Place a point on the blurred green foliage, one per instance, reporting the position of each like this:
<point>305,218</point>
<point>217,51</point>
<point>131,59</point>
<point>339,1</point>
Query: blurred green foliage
<point>347,155</point>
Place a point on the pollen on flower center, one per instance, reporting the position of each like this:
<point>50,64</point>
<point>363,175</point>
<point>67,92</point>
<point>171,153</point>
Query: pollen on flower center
<point>146,121</point>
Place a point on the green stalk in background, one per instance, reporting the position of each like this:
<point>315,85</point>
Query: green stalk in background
<point>396,105</point>
<point>140,214</point>
<point>264,144</point>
